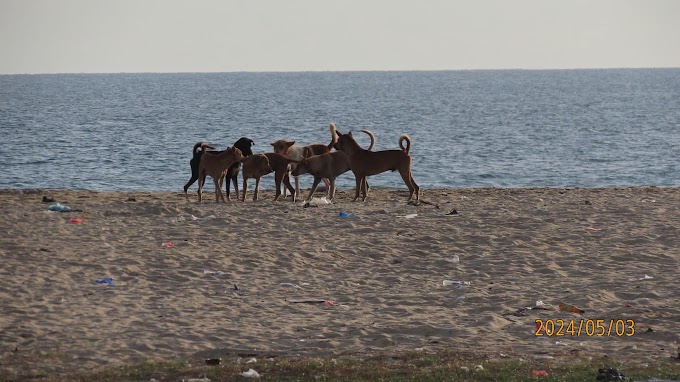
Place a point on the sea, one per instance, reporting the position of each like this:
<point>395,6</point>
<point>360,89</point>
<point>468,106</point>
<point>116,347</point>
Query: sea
<point>476,128</point>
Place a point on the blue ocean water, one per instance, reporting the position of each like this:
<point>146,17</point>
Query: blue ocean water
<point>507,128</point>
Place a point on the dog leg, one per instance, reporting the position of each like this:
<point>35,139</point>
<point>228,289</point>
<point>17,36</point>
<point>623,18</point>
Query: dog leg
<point>218,190</point>
<point>297,187</point>
<point>332,189</point>
<point>314,186</point>
<point>357,179</point>
<point>257,188</point>
<point>200,189</point>
<point>194,175</point>
<point>235,181</point>
<point>245,188</point>
<point>277,180</point>
<point>364,192</point>
<point>286,182</point>
<point>407,178</point>
<point>413,182</point>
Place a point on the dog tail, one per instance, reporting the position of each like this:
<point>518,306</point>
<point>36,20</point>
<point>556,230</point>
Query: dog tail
<point>406,138</point>
<point>334,136</point>
<point>307,152</point>
<point>199,145</point>
<point>370,135</point>
<point>203,146</point>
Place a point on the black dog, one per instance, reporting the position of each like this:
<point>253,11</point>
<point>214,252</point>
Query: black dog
<point>243,144</point>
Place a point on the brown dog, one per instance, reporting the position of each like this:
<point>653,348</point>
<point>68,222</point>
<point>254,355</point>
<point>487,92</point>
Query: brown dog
<point>216,165</point>
<point>325,166</point>
<point>254,167</point>
<point>297,152</point>
<point>365,163</point>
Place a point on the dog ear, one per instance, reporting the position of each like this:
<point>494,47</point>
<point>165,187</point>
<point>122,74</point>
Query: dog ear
<point>252,143</point>
<point>290,143</point>
<point>273,144</point>
<point>350,134</point>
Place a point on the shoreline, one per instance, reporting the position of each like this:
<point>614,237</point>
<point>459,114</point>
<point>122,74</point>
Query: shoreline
<point>382,271</point>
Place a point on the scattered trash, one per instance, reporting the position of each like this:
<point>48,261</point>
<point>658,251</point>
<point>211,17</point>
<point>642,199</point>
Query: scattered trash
<point>593,229</point>
<point>642,300</point>
<point>645,277</point>
<point>479,368</point>
<point>167,245</point>
<point>465,369</point>
<point>409,216</point>
<point>543,356</point>
<point>291,284</point>
<point>252,360</point>
<point>76,221</point>
<point>59,207</point>
<point>539,303</point>
<point>308,301</point>
<point>457,284</point>
<point>314,201</point>
<point>453,212</point>
<point>346,215</point>
<point>250,374</point>
<point>196,380</point>
<point>458,299</point>
<point>327,303</point>
<point>570,308</point>
<point>610,374</point>
<point>45,199</point>
<point>539,373</point>
<point>455,259</point>
<point>107,280</point>
<point>216,273</point>
<point>213,361</point>
<point>236,287</point>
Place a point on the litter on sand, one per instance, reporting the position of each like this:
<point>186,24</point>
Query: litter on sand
<point>250,374</point>
<point>167,245</point>
<point>76,221</point>
<point>409,216</point>
<point>59,207</point>
<point>108,281</point>
<point>570,308</point>
<point>346,215</point>
<point>645,277</point>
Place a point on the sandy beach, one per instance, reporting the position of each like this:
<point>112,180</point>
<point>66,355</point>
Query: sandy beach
<point>211,279</point>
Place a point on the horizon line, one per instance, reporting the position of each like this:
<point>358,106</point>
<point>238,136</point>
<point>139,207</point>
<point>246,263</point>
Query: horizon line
<point>346,71</point>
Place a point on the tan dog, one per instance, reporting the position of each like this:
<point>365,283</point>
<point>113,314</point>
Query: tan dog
<point>254,166</point>
<point>365,163</point>
<point>325,166</point>
<point>257,166</point>
<point>216,165</point>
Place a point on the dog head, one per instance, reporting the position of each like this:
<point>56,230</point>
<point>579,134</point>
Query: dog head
<point>245,144</point>
<point>343,141</point>
<point>237,154</point>
<point>281,146</point>
<point>257,164</point>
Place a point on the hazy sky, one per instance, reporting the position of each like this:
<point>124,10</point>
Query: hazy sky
<point>95,36</point>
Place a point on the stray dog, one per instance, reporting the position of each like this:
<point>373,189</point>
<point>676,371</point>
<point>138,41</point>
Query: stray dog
<point>325,166</point>
<point>365,163</point>
<point>254,167</point>
<point>217,166</point>
<point>243,144</point>
<point>297,152</point>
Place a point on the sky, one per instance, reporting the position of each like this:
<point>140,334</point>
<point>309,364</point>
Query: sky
<point>113,36</point>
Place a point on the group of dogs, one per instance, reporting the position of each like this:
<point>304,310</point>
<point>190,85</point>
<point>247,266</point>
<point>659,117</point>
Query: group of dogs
<point>290,159</point>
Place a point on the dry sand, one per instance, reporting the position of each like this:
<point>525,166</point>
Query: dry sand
<point>383,273</point>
